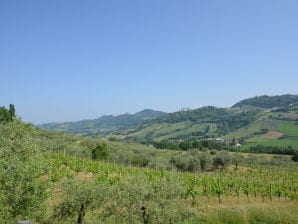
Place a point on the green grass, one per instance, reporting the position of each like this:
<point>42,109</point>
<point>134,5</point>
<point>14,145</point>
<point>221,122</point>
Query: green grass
<point>289,128</point>
<point>246,131</point>
<point>161,131</point>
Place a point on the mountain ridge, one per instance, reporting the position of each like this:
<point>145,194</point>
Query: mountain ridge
<point>201,123</point>
<point>104,123</point>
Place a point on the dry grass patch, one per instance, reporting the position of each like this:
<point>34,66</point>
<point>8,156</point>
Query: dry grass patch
<point>273,135</point>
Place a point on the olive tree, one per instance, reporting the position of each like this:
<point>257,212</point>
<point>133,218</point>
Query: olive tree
<point>22,190</point>
<point>79,198</point>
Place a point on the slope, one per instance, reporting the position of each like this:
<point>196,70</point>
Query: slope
<point>104,124</point>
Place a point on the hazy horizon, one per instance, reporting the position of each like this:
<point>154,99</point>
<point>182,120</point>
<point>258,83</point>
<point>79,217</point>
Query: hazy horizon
<point>69,61</point>
<point>133,112</point>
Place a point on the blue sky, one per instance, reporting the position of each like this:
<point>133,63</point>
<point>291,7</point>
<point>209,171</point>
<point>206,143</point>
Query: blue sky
<point>71,60</point>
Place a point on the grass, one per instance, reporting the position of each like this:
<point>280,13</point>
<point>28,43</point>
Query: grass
<point>254,213</point>
<point>288,128</point>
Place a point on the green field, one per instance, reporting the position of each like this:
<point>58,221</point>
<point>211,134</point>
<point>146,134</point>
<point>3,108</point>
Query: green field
<point>290,138</point>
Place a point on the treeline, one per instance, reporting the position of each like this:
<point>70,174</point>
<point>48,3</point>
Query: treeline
<point>7,114</point>
<point>269,101</point>
<point>186,145</point>
<point>216,145</point>
<point>273,150</point>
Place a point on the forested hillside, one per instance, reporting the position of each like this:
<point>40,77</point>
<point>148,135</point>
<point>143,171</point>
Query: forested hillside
<point>269,101</point>
<point>202,123</point>
<point>258,124</point>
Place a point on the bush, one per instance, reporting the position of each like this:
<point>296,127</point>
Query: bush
<point>221,160</point>
<point>186,162</point>
<point>100,151</point>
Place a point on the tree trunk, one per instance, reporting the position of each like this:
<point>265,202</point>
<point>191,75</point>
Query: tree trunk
<point>81,214</point>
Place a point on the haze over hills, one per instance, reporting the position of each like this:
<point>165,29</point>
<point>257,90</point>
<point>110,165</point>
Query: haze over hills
<point>104,124</point>
<point>247,119</point>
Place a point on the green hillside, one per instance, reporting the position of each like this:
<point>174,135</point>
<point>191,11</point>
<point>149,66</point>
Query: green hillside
<point>263,120</point>
<point>251,125</point>
<point>278,129</point>
<point>202,123</point>
<point>269,101</point>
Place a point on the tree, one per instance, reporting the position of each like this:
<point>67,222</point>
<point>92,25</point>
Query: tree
<point>295,158</point>
<point>22,190</point>
<point>79,198</point>
<point>100,151</point>
<point>237,159</point>
<point>12,110</point>
<point>205,160</point>
<point>222,159</point>
<point>4,115</point>
<point>186,162</point>
<point>234,142</point>
<point>185,145</point>
<point>196,144</point>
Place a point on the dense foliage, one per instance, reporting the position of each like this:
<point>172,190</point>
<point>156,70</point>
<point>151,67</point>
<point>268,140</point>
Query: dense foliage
<point>273,150</point>
<point>269,101</point>
<point>21,167</point>
<point>7,115</point>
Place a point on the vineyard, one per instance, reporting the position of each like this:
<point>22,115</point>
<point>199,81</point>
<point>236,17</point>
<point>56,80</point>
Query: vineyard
<point>44,183</point>
<point>161,191</point>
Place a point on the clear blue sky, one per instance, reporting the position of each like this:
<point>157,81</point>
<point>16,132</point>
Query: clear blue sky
<point>71,60</point>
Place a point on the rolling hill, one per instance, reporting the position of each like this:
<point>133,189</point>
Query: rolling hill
<point>266,120</point>
<point>265,101</point>
<point>103,125</point>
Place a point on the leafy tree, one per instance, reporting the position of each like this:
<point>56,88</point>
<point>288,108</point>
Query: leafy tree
<point>100,151</point>
<point>5,115</point>
<point>185,145</point>
<point>185,162</point>
<point>222,160</point>
<point>205,160</point>
<point>237,159</point>
<point>78,198</point>
<point>22,190</point>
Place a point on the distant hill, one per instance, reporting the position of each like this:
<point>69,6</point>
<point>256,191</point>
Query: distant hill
<point>267,120</point>
<point>202,123</point>
<point>104,124</point>
<point>269,101</point>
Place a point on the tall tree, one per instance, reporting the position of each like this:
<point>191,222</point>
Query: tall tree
<point>12,110</point>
